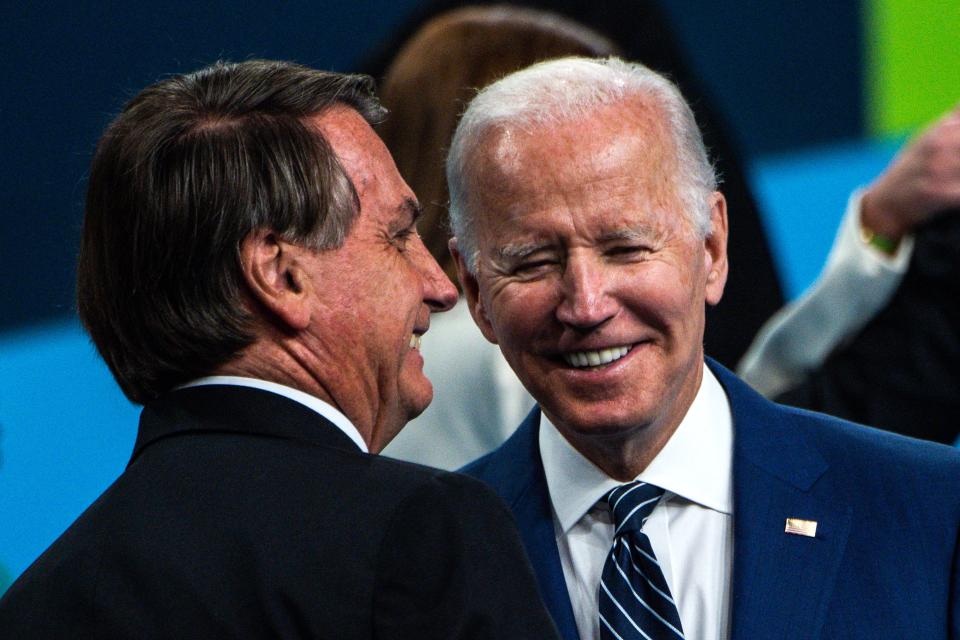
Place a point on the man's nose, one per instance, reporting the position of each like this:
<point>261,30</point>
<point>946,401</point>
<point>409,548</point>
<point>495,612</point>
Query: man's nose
<point>585,302</point>
<point>438,292</point>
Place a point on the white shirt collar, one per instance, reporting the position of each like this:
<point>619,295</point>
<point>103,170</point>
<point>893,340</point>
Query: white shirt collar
<point>695,463</point>
<point>325,409</point>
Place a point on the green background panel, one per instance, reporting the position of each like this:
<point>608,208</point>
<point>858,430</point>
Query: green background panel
<point>913,58</point>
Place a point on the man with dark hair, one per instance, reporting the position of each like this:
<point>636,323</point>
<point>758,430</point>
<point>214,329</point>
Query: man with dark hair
<point>251,273</point>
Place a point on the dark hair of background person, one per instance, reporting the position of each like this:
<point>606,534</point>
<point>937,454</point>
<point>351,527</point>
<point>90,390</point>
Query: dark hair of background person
<point>190,166</point>
<point>642,33</point>
<point>437,72</point>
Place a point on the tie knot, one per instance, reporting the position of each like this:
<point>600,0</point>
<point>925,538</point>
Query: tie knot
<point>631,505</point>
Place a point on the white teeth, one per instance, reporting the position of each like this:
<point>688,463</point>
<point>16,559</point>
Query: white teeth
<point>595,358</point>
<point>414,341</point>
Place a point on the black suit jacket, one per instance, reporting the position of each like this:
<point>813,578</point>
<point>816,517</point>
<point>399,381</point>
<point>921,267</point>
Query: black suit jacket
<point>245,514</point>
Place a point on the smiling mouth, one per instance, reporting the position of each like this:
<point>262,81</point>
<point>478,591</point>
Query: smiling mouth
<point>586,359</point>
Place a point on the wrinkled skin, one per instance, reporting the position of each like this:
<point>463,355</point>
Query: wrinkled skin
<point>583,246</point>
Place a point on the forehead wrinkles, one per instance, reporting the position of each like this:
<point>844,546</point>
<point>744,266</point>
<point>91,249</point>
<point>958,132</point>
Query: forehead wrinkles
<point>614,170</point>
<point>626,140</point>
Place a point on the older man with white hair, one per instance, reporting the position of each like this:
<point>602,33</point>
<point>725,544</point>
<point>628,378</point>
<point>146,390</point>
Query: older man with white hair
<point>658,497</point>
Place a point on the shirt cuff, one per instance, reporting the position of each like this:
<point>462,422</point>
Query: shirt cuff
<point>851,254</point>
<point>857,281</point>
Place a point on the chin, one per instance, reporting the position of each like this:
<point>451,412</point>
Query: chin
<point>603,420</point>
<point>416,398</point>
<point>607,427</point>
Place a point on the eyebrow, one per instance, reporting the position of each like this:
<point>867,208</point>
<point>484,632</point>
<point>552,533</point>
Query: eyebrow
<point>513,252</point>
<point>642,232</point>
<point>637,233</point>
<point>412,207</point>
<point>408,212</point>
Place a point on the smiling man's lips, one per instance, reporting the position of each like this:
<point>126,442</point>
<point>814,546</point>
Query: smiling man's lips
<point>596,358</point>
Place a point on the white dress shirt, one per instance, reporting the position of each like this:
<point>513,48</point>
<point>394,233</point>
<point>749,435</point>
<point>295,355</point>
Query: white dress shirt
<point>690,530</point>
<point>325,409</point>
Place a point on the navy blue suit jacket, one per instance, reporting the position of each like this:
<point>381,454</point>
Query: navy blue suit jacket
<point>884,560</point>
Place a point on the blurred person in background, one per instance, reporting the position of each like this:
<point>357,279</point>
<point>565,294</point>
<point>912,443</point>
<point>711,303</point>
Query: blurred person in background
<point>877,338</point>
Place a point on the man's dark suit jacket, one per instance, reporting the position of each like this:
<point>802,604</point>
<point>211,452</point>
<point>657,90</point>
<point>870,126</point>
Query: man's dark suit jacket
<point>883,564</point>
<point>246,515</point>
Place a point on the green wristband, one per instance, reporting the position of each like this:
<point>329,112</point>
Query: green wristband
<point>878,241</point>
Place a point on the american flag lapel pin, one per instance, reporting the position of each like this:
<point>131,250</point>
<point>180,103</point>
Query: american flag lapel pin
<point>799,527</point>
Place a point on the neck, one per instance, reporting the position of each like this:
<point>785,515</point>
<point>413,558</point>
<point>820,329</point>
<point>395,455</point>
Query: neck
<point>290,363</point>
<point>621,457</point>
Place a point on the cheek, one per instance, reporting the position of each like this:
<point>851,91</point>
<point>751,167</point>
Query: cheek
<point>399,284</point>
<point>661,293</point>
<point>389,313</point>
<point>521,311</point>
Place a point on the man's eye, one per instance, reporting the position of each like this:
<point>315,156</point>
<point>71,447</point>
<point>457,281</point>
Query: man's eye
<point>532,267</point>
<point>402,237</point>
<point>628,251</point>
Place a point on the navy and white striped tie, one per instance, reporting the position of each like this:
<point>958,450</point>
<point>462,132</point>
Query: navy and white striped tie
<point>635,601</point>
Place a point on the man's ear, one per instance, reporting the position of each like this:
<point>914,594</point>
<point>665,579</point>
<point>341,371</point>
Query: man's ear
<point>715,255</point>
<point>275,277</point>
<point>471,291</point>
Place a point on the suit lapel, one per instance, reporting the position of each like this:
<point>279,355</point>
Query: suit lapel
<point>782,582</point>
<point>519,479</point>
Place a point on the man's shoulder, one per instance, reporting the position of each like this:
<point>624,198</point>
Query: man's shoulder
<point>876,470</point>
<point>772,429</point>
<point>374,486</point>
<point>216,434</point>
<point>331,508</point>
<point>411,481</point>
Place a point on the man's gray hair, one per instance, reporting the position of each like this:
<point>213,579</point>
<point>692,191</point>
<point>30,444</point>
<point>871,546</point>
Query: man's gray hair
<point>564,90</point>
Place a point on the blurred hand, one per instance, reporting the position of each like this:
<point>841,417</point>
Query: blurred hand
<point>923,179</point>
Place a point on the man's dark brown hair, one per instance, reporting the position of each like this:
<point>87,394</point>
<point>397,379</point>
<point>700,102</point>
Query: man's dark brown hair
<point>192,165</point>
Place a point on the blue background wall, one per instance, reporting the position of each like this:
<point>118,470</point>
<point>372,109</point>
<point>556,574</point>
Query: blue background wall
<point>789,80</point>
